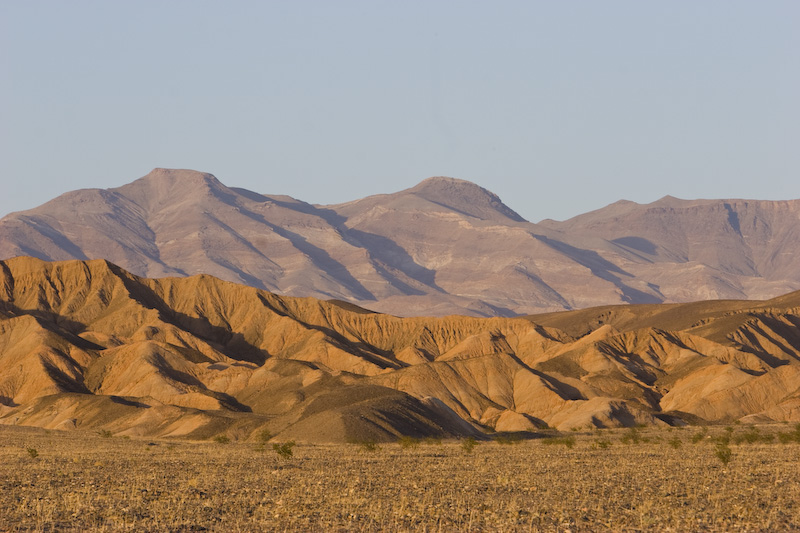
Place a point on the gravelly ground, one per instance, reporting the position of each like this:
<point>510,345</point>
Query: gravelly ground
<point>83,481</point>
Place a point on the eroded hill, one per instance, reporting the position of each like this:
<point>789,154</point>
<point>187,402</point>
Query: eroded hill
<point>87,344</point>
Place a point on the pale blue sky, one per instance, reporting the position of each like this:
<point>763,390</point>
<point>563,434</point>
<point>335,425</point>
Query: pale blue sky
<point>558,107</point>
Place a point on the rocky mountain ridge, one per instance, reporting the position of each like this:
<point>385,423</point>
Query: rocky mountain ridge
<point>445,246</point>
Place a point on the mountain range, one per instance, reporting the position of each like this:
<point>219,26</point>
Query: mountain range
<point>445,246</point>
<point>86,344</point>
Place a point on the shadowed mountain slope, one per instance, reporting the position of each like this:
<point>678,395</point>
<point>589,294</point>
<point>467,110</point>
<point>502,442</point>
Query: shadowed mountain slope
<point>445,246</point>
<point>87,344</point>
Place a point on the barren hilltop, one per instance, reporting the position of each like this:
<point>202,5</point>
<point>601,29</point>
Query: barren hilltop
<point>86,344</point>
<point>445,246</point>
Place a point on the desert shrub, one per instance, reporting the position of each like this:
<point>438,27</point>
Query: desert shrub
<point>602,444</point>
<point>264,435</point>
<point>468,444</point>
<point>33,453</point>
<point>262,438</point>
<point>632,436</point>
<point>751,436</point>
<point>724,439</point>
<point>675,442</point>
<point>368,446</point>
<point>407,442</point>
<point>723,451</point>
<point>222,439</point>
<point>700,435</point>
<point>106,434</point>
<point>284,450</point>
<point>433,440</point>
<point>508,439</point>
<point>569,442</point>
<point>792,436</point>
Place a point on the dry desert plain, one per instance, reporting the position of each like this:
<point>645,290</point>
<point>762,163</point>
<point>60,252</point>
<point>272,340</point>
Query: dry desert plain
<point>721,478</point>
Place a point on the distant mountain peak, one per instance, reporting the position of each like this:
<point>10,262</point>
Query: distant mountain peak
<point>434,181</point>
<point>465,197</point>
<point>164,185</point>
<point>178,176</point>
<point>438,185</point>
<point>668,201</point>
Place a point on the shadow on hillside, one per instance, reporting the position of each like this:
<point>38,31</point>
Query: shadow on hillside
<point>8,402</point>
<point>232,344</point>
<point>321,258</point>
<point>130,403</point>
<point>386,251</point>
<point>368,352</point>
<point>603,269</point>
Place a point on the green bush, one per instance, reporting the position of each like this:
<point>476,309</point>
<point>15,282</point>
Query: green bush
<point>468,444</point>
<point>603,444</point>
<point>569,442</point>
<point>700,435</point>
<point>264,435</point>
<point>793,436</point>
<point>33,453</point>
<point>284,450</point>
<point>632,436</point>
<point>367,445</point>
<point>751,436</point>
<point>406,442</point>
<point>222,439</point>
<point>508,439</point>
<point>723,451</point>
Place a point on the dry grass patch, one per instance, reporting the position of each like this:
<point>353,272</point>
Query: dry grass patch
<point>86,482</point>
